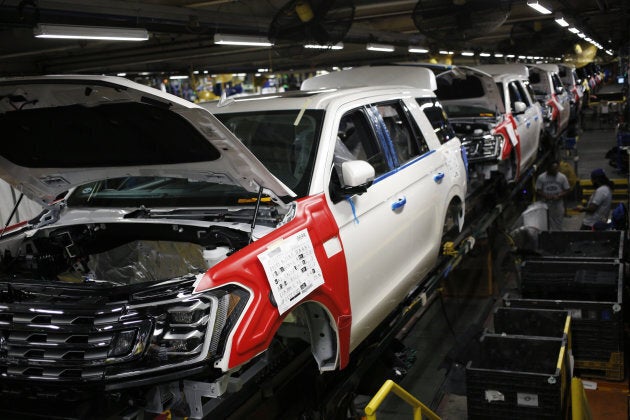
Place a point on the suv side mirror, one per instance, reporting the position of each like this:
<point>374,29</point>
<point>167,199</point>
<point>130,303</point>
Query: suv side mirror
<point>357,176</point>
<point>559,90</point>
<point>519,107</point>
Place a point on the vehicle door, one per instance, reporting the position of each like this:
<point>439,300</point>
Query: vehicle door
<point>527,122</point>
<point>388,232</point>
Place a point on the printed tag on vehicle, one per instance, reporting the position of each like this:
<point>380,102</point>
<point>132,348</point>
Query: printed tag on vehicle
<point>292,269</point>
<point>511,134</point>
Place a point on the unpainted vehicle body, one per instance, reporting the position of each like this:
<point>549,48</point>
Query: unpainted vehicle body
<point>189,241</point>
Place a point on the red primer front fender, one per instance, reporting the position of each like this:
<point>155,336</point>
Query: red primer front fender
<point>259,324</point>
<point>503,130</point>
<point>553,103</point>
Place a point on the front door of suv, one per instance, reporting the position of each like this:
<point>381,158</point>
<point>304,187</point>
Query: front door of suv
<point>389,232</point>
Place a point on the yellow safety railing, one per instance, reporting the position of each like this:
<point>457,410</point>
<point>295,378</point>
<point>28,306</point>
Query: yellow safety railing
<point>419,409</point>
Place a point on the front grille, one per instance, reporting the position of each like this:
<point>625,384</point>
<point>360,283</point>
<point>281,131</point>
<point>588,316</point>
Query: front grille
<point>62,342</point>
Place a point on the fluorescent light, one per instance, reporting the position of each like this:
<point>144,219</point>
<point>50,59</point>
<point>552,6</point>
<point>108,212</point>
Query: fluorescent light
<point>48,30</point>
<point>337,46</point>
<point>498,55</point>
<point>560,21</point>
<point>484,54</point>
<point>254,41</point>
<point>582,35</point>
<point>510,56</point>
<point>379,47</point>
<point>121,74</point>
<point>574,30</point>
<point>587,39</point>
<point>538,6</point>
<point>609,52</point>
<point>522,57</point>
<point>443,52</point>
<point>178,77</point>
<point>468,53</point>
<point>418,50</point>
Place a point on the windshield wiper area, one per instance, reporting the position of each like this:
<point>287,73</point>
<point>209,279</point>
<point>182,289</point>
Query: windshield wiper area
<point>267,216</point>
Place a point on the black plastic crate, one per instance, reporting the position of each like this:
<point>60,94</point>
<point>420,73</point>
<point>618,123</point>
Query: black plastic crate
<point>518,377</point>
<point>596,327</point>
<point>572,280</point>
<point>581,245</point>
<point>532,322</point>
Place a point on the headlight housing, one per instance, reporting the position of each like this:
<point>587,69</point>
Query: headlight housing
<point>184,329</point>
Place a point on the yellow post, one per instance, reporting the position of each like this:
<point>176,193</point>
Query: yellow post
<point>418,408</point>
<point>580,409</point>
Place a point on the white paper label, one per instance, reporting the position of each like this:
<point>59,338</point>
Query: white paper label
<point>512,134</point>
<point>292,269</point>
<point>575,313</point>
<point>493,395</point>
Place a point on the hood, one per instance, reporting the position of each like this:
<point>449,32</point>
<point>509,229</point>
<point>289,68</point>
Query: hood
<point>59,132</point>
<point>471,90</point>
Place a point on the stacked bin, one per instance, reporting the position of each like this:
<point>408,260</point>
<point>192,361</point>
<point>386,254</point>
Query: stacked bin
<point>581,272</point>
<point>522,370</point>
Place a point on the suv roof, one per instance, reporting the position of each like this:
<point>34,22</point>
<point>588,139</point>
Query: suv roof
<point>547,67</point>
<point>498,69</point>
<point>411,76</point>
<point>318,92</point>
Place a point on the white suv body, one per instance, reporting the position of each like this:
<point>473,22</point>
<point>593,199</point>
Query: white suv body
<point>574,86</point>
<point>491,110</point>
<point>416,160</point>
<point>552,95</point>
<point>185,248</point>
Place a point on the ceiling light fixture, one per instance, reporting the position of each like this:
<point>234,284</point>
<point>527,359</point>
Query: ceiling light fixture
<point>379,47</point>
<point>498,55</point>
<point>484,54</point>
<point>337,46</point>
<point>510,56</point>
<point>49,30</point>
<point>560,21</point>
<point>539,7</point>
<point>574,30</point>
<point>417,50</point>
<point>582,35</point>
<point>468,53</point>
<point>253,41</point>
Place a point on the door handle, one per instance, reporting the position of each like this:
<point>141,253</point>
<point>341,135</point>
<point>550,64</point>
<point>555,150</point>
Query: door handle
<point>398,204</point>
<point>438,177</point>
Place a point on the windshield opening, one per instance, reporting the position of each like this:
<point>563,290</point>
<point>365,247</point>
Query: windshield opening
<point>284,141</point>
<point>460,110</point>
<point>154,191</point>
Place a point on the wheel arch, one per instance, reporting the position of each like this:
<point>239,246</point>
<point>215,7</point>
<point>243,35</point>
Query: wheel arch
<point>313,323</point>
